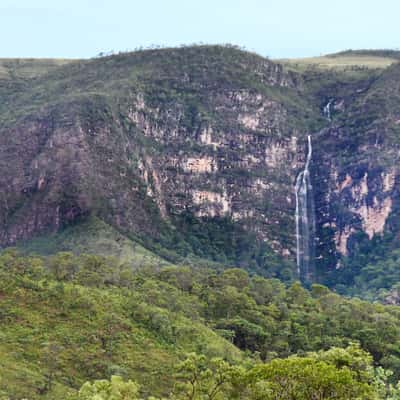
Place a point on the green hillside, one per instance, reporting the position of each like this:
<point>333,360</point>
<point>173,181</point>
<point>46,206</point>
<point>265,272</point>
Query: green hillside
<point>24,68</point>
<point>68,319</point>
<point>56,334</point>
<point>93,236</point>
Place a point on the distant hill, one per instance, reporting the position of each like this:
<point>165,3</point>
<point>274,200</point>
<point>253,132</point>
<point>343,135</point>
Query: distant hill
<point>347,60</point>
<point>384,53</point>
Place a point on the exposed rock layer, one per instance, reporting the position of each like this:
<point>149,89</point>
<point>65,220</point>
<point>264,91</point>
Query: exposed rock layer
<point>142,139</point>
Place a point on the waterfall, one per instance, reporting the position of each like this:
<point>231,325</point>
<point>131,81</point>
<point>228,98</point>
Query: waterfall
<point>327,110</point>
<point>305,221</point>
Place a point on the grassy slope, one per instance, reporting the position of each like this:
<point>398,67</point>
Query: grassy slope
<point>345,61</point>
<point>26,68</point>
<point>95,237</point>
<point>341,62</point>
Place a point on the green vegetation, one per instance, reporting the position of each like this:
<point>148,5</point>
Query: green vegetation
<point>376,280</point>
<point>156,73</point>
<point>93,236</point>
<point>384,53</point>
<point>227,243</point>
<point>335,374</point>
<point>24,68</point>
<point>346,60</point>
<point>209,242</point>
<point>69,319</point>
<point>56,334</point>
<point>372,273</point>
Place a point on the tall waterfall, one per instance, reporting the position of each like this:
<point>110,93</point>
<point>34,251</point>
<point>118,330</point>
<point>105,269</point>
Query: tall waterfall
<point>327,110</point>
<point>305,221</point>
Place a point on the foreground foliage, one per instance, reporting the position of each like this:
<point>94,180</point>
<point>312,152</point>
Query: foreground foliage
<point>336,374</point>
<point>67,320</point>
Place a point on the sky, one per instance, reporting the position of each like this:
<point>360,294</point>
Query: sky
<point>277,29</point>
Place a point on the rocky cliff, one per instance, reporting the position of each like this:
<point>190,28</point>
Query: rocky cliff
<point>197,150</point>
<point>356,168</point>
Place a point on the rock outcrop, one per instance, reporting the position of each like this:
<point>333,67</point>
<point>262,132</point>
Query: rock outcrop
<point>146,140</point>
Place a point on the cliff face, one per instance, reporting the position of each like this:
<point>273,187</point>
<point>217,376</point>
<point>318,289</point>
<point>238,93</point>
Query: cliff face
<point>198,150</point>
<point>356,169</point>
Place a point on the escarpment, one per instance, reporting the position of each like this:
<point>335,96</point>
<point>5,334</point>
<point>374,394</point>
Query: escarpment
<point>198,150</point>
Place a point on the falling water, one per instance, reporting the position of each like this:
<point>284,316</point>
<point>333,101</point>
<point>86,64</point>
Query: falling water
<point>327,110</point>
<point>305,221</point>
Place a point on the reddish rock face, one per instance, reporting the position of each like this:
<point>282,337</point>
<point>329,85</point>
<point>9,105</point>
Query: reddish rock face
<point>140,140</point>
<point>139,161</point>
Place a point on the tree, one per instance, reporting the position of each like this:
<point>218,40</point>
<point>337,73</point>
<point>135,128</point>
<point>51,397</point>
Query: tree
<point>352,357</point>
<point>235,277</point>
<point>199,379</point>
<point>64,265</point>
<point>94,271</point>
<point>306,378</point>
<point>114,389</point>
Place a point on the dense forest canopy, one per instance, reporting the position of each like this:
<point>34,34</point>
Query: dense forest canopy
<point>186,333</point>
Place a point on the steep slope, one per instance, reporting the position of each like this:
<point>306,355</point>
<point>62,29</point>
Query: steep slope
<point>356,168</point>
<point>56,335</point>
<point>195,148</point>
<point>93,236</point>
<point>194,152</point>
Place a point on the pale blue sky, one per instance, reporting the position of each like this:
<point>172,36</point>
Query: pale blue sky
<point>279,28</point>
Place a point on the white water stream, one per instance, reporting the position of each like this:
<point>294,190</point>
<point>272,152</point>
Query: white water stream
<point>305,221</point>
<point>327,110</point>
